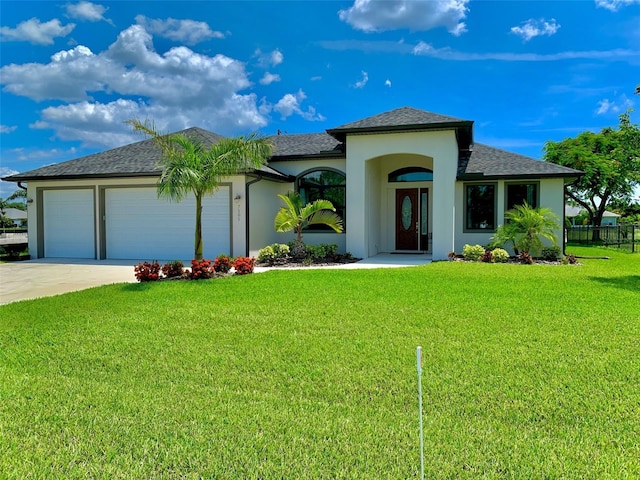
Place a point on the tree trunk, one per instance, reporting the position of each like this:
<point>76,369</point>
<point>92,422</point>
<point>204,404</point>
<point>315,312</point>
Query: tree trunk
<point>198,237</point>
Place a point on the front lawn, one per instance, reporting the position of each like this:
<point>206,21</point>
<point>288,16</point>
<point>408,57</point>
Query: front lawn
<point>530,371</point>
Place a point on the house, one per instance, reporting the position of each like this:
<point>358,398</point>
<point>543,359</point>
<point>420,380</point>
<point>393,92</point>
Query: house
<point>608,218</point>
<point>405,180</point>
<point>19,217</point>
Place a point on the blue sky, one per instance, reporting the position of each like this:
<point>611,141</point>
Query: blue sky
<point>525,72</point>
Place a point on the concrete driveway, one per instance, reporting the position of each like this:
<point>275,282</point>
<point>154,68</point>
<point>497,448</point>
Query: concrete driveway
<point>47,277</point>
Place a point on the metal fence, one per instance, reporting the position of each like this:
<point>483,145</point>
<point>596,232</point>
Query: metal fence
<point>621,236</point>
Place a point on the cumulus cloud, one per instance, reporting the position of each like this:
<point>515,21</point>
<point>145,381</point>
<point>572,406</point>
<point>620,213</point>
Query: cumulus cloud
<point>270,59</point>
<point>416,15</point>
<point>387,83</point>
<point>535,28</point>
<point>190,32</point>
<point>178,89</point>
<point>269,78</point>
<point>35,32</point>
<point>7,128</point>
<point>7,188</point>
<point>87,11</point>
<point>290,104</point>
<point>615,5</point>
<point>606,106</point>
<point>362,82</point>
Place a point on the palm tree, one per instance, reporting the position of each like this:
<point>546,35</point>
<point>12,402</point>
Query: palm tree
<point>296,215</point>
<point>188,166</point>
<point>526,226</point>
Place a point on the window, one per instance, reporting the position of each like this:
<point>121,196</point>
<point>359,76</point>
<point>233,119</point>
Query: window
<point>480,207</point>
<point>327,185</point>
<point>518,193</point>
<point>411,174</point>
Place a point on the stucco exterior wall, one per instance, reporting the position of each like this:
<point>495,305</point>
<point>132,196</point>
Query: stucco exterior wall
<point>365,196</point>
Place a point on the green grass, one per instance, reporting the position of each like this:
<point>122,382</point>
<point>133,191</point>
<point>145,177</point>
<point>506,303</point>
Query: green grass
<point>529,372</point>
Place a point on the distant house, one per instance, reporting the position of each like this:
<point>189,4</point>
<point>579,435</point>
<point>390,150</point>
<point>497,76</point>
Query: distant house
<point>571,212</point>
<point>405,180</point>
<point>18,216</point>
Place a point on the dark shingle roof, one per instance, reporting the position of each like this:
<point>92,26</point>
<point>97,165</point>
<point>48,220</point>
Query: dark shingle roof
<point>489,162</point>
<point>403,118</point>
<point>136,159</point>
<point>305,144</point>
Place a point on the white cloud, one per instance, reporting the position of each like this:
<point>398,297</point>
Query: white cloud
<point>190,32</point>
<point>361,83</point>
<point>178,89</point>
<point>416,15</point>
<point>446,53</point>
<point>535,28</point>
<point>316,78</point>
<point>289,105</point>
<point>615,5</point>
<point>35,32</point>
<point>7,129</point>
<point>270,59</point>
<point>387,83</point>
<point>7,188</point>
<point>91,12</point>
<point>269,78</point>
<point>606,106</point>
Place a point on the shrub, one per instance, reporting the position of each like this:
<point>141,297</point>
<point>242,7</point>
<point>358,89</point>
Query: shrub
<point>452,256</point>
<point>222,264</point>
<point>298,251</point>
<point>147,271</point>
<point>525,258</point>
<point>500,255</point>
<point>551,254</point>
<point>173,269</point>
<point>324,251</point>
<point>244,265</point>
<point>273,253</point>
<point>487,257</point>
<point>569,260</point>
<point>201,269</point>
<point>473,252</point>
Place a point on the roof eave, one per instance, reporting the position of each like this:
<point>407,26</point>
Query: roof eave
<point>469,177</point>
<point>341,133</point>
<point>26,178</point>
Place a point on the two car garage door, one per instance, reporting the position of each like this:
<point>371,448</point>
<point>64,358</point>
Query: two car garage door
<point>137,225</point>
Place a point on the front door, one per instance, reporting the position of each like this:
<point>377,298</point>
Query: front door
<point>411,219</point>
<point>407,226</point>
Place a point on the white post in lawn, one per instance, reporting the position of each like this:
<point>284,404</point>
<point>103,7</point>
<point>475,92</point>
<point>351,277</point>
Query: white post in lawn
<point>419,363</point>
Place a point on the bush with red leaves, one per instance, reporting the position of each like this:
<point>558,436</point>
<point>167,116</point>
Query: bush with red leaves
<point>147,271</point>
<point>173,269</point>
<point>201,269</point>
<point>222,264</point>
<point>244,265</point>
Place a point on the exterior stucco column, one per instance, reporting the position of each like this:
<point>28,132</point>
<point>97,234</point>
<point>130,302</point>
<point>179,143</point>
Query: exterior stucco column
<point>444,205</point>
<point>356,224</point>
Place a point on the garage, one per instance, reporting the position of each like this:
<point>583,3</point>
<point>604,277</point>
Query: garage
<point>68,221</point>
<point>140,226</point>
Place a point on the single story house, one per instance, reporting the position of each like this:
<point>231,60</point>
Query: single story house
<point>19,217</point>
<point>405,180</point>
<point>608,218</point>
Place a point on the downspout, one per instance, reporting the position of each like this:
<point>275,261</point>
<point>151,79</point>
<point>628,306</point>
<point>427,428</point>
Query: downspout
<point>246,209</point>
<point>20,186</point>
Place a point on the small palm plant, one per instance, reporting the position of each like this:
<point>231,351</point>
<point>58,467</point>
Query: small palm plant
<point>525,228</point>
<point>295,215</point>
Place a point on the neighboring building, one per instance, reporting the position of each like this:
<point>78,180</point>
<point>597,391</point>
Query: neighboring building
<point>19,217</point>
<point>404,181</point>
<point>571,212</point>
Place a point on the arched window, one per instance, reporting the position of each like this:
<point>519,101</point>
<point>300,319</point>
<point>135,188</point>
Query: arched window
<point>324,184</point>
<point>411,174</point>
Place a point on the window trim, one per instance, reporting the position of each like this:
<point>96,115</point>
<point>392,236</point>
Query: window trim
<point>325,169</point>
<point>465,228</point>
<point>408,170</point>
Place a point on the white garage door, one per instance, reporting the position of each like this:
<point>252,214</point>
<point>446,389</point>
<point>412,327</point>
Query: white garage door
<point>140,226</point>
<point>68,221</point>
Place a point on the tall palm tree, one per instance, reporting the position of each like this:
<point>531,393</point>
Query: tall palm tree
<point>526,226</point>
<point>295,215</point>
<point>188,166</point>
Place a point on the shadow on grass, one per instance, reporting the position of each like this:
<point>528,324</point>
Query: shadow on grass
<point>628,282</point>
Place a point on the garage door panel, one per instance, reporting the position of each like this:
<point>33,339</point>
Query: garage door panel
<point>69,223</point>
<point>139,225</point>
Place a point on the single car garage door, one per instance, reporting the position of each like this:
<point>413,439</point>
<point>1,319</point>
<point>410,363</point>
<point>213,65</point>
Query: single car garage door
<point>69,223</point>
<point>140,226</point>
